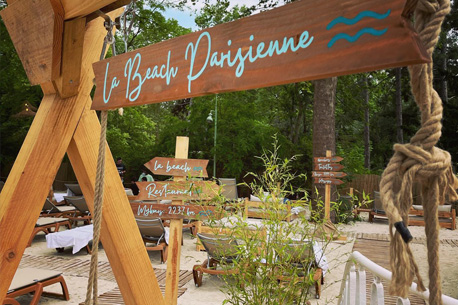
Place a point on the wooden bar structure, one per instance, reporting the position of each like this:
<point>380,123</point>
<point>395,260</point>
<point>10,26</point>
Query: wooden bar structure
<point>65,123</point>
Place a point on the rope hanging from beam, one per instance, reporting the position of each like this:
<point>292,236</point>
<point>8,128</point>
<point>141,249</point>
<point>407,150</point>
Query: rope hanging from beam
<point>420,161</point>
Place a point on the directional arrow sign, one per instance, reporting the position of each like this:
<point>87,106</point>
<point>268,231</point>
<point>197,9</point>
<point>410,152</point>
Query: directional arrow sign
<point>178,167</point>
<point>328,167</point>
<point>328,181</point>
<point>176,190</point>
<point>303,40</point>
<point>328,174</point>
<point>327,159</point>
<point>167,211</point>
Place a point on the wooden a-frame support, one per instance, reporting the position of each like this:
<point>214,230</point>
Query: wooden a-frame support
<point>68,125</point>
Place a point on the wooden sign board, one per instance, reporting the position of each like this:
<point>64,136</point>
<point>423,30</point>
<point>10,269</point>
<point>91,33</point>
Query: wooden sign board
<point>328,181</point>
<point>303,40</point>
<point>334,159</point>
<point>177,190</point>
<point>328,167</point>
<point>168,211</point>
<point>178,167</point>
<point>328,174</point>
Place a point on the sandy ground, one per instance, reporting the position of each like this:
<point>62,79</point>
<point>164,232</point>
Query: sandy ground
<point>209,293</point>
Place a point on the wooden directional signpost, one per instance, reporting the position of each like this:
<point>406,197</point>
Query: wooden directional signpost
<point>59,42</point>
<point>178,191</point>
<point>325,174</point>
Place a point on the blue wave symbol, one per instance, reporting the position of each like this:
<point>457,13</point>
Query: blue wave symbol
<point>357,36</point>
<point>358,18</point>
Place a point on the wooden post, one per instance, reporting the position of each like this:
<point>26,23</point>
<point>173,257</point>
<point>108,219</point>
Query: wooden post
<point>351,192</point>
<point>327,195</point>
<point>176,234</point>
<point>56,122</point>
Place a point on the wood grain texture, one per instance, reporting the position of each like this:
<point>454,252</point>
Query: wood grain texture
<point>176,234</point>
<point>82,8</point>
<point>72,54</point>
<point>33,172</point>
<point>36,29</point>
<point>240,47</point>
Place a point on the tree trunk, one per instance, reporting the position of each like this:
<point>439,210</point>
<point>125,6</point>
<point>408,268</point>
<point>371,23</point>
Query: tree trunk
<point>367,140</point>
<point>443,77</point>
<point>399,131</point>
<point>324,131</point>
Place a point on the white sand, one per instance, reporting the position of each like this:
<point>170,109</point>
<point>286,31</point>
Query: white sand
<point>209,293</point>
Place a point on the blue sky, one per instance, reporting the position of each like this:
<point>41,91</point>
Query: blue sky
<point>186,18</point>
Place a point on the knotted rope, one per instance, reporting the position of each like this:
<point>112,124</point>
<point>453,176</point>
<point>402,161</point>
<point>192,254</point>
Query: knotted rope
<point>420,161</point>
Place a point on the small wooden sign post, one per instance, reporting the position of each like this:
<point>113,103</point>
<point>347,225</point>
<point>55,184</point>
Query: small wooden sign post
<point>327,178</point>
<point>177,190</point>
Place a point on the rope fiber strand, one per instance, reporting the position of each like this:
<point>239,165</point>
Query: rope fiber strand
<point>420,162</point>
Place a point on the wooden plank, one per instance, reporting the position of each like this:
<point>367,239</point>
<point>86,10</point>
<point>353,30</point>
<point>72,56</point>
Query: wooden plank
<point>36,29</point>
<point>328,181</point>
<point>178,167</point>
<point>333,159</point>
<point>303,40</point>
<point>328,167</point>
<point>328,174</point>
<point>74,9</point>
<point>38,161</point>
<point>167,211</point>
<point>68,82</point>
<point>176,235</point>
<point>176,190</point>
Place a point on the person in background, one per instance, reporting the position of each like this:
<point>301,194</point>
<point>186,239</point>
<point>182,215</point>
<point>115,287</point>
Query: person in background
<point>134,186</point>
<point>121,168</point>
<point>145,174</point>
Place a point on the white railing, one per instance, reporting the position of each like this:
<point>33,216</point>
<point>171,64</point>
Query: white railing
<point>353,288</point>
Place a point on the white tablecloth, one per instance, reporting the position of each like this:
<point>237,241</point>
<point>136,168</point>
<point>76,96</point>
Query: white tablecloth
<point>77,238</point>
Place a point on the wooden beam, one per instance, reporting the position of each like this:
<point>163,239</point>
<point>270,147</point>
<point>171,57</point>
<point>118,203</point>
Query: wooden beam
<point>36,29</point>
<point>68,82</point>
<point>81,8</point>
<point>176,234</point>
<point>120,235</point>
<point>34,170</point>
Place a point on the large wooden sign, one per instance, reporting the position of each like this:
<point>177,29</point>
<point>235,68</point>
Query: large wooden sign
<point>168,211</point>
<point>304,40</point>
<point>176,190</point>
<point>328,181</point>
<point>178,167</point>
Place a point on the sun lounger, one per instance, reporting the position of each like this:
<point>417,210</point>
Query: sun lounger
<point>33,280</point>
<point>46,224</point>
<point>153,231</point>
<point>81,206</point>
<point>51,210</point>
<point>77,238</point>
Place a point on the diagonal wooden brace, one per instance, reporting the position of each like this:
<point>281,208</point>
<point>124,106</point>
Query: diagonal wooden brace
<point>62,124</point>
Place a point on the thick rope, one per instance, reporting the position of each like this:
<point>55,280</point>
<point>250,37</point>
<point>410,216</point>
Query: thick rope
<point>420,161</point>
<point>97,216</point>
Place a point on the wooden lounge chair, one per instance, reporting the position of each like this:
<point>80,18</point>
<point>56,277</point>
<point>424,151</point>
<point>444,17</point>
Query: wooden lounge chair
<point>296,261</point>
<point>81,206</point>
<point>447,216</point>
<point>258,209</point>
<point>153,231</point>
<point>51,210</point>
<point>46,224</point>
<point>74,189</point>
<point>221,250</point>
<point>33,280</point>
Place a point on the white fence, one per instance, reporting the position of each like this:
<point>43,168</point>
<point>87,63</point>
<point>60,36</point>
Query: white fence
<point>353,289</point>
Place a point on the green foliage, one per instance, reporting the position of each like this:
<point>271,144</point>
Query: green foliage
<point>275,261</point>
